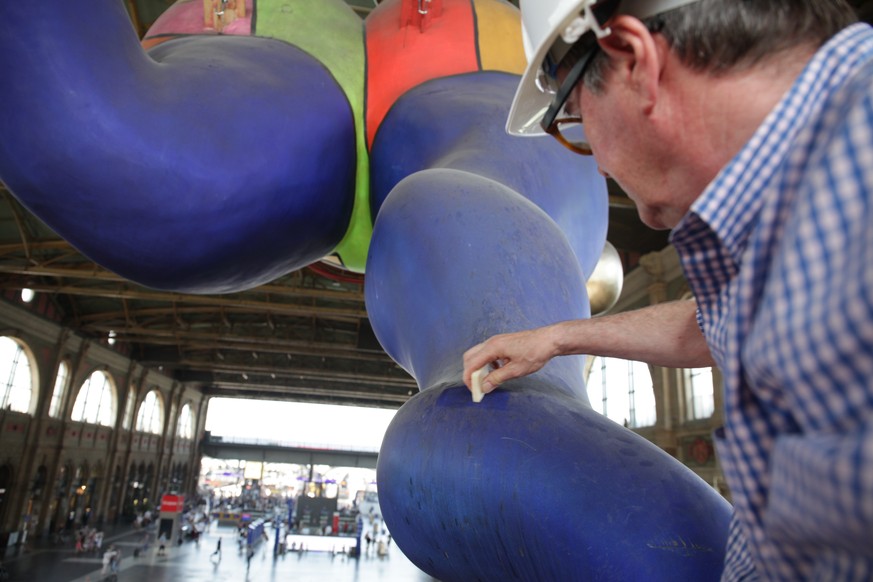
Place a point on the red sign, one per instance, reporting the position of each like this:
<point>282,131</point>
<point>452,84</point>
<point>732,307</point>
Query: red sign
<point>172,503</point>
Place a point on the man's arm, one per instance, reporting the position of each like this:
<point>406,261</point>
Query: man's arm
<point>665,334</point>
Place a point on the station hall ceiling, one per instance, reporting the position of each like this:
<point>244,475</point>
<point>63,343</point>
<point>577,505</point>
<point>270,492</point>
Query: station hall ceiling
<point>303,337</point>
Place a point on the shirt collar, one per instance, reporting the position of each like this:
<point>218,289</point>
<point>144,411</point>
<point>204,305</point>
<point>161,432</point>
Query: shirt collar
<point>731,202</point>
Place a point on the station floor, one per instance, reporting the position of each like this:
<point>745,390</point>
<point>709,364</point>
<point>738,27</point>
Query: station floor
<point>46,562</point>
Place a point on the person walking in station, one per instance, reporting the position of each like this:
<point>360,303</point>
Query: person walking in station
<point>217,552</point>
<point>162,544</point>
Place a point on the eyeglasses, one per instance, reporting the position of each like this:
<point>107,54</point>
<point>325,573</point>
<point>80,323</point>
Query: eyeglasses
<point>556,126</point>
<point>557,130</point>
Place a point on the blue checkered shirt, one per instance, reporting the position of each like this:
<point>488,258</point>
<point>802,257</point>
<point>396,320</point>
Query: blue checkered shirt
<point>779,253</point>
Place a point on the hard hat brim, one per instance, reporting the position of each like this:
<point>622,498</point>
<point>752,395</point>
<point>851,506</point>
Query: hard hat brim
<point>528,107</point>
<point>530,102</point>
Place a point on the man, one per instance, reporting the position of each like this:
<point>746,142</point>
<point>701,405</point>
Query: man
<point>110,558</point>
<point>162,544</point>
<point>746,127</point>
<point>115,562</point>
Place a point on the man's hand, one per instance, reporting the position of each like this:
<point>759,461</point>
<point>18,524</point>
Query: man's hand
<point>512,355</point>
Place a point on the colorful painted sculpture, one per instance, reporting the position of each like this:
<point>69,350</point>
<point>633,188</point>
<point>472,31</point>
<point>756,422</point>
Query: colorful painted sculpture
<point>237,149</point>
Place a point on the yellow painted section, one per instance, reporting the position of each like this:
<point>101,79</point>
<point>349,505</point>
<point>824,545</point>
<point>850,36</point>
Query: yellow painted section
<point>499,31</point>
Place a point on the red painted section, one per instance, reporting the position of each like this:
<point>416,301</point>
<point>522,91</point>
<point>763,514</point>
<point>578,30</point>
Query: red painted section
<point>406,48</point>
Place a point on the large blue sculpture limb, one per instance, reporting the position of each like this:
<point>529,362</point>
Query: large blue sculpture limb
<point>213,165</point>
<point>531,484</point>
<point>455,122</point>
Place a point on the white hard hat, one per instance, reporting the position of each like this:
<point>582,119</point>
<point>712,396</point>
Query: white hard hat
<point>549,28</point>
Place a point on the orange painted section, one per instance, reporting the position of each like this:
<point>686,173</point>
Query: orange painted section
<point>405,49</point>
<point>154,41</point>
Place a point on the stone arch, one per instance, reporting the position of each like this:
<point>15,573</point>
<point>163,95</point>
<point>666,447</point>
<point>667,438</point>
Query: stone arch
<point>128,507</point>
<point>38,494</point>
<point>78,496</point>
<point>114,487</point>
<point>6,475</point>
<point>149,500</point>
<point>59,497</point>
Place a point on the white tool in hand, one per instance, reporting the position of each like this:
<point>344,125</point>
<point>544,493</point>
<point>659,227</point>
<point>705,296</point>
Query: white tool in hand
<point>476,380</point>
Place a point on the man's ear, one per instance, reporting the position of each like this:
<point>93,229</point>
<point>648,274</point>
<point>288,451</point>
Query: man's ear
<point>634,57</point>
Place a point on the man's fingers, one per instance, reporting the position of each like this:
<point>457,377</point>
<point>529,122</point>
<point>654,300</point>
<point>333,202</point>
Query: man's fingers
<point>486,354</point>
<point>474,359</point>
<point>508,370</point>
<point>496,377</point>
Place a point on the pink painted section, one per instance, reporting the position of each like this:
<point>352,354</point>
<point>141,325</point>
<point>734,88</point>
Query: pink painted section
<point>241,26</point>
<point>186,17</point>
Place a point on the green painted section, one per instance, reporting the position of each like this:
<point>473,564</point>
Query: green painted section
<point>330,31</point>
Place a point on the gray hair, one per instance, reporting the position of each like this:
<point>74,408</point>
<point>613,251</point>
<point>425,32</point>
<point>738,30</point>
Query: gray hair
<point>718,36</point>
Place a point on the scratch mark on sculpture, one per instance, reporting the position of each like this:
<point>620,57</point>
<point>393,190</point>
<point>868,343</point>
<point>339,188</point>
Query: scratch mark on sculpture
<point>519,441</point>
<point>681,546</point>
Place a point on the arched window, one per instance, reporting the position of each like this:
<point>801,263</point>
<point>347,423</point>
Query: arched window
<point>699,398</point>
<point>622,391</point>
<point>128,409</point>
<point>151,414</point>
<point>61,380</point>
<point>95,402</point>
<point>185,428</point>
<point>16,376</point>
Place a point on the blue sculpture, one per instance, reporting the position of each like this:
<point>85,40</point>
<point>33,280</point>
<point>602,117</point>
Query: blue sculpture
<point>217,162</point>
